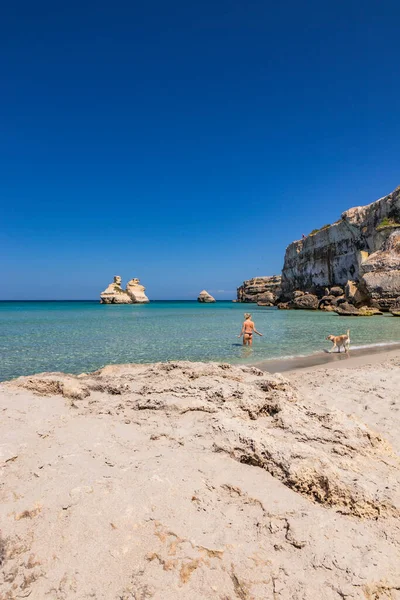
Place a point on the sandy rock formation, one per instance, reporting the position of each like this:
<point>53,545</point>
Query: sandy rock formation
<point>190,480</point>
<point>204,296</point>
<point>114,294</point>
<point>361,247</point>
<point>260,289</point>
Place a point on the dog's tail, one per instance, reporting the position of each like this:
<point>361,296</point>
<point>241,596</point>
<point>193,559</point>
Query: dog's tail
<point>348,333</point>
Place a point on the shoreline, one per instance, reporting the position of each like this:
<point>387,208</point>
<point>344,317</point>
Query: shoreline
<point>357,357</point>
<point>335,360</point>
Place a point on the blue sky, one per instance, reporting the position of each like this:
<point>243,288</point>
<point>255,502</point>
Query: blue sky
<point>186,144</point>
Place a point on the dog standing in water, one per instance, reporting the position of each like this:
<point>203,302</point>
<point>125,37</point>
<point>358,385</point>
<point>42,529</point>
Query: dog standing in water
<point>340,340</point>
<point>248,328</point>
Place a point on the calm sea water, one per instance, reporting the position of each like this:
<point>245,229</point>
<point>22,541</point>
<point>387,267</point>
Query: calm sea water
<point>78,337</point>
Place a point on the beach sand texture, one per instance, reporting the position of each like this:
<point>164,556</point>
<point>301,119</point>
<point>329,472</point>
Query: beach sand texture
<point>195,481</point>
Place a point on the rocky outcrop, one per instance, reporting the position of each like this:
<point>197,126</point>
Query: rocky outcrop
<point>133,294</point>
<point>265,290</point>
<point>361,251</point>
<point>204,296</point>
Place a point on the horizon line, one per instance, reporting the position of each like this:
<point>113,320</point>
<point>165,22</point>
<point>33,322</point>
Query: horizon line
<point>95,300</point>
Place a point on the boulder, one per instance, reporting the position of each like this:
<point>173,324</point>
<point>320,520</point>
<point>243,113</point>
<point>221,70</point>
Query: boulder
<point>297,294</point>
<point>204,296</point>
<point>114,294</point>
<point>283,306</point>
<point>327,308</point>
<point>336,291</point>
<point>329,301</point>
<point>304,302</point>
<point>348,310</point>
<point>345,309</point>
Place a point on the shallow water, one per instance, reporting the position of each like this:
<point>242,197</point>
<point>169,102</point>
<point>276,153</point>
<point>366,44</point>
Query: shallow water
<point>82,336</point>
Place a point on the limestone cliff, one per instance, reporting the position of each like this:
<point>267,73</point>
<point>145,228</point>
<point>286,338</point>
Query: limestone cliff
<point>362,246</point>
<point>114,294</point>
<point>260,289</point>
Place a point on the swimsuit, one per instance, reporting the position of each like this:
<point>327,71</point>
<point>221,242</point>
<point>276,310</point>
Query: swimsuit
<point>250,333</point>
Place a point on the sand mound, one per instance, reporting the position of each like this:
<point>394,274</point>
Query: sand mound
<point>191,480</point>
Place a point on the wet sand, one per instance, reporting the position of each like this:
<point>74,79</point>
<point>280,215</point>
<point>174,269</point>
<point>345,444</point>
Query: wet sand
<point>356,357</point>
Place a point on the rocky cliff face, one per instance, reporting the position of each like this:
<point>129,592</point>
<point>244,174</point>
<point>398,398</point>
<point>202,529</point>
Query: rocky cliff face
<point>362,246</point>
<point>260,289</point>
<point>114,294</point>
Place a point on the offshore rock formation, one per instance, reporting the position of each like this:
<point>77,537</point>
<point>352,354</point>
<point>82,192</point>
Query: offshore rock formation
<point>204,296</point>
<point>114,294</point>
<point>360,251</point>
<point>265,290</point>
<point>136,291</point>
<point>198,481</point>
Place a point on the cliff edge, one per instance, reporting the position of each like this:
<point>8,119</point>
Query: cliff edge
<point>362,247</point>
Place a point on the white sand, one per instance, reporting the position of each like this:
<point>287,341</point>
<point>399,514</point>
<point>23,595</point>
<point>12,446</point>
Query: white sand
<point>194,481</point>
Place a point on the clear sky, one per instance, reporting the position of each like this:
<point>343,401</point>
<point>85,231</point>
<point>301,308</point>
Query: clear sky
<point>186,143</point>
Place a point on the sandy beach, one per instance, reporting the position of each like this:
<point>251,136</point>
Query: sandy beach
<point>203,481</point>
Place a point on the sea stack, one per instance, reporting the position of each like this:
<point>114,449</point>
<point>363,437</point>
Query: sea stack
<point>133,294</point>
<point>204,296</point>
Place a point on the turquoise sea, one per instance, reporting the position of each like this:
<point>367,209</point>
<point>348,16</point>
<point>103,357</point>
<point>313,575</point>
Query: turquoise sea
<point>78,337</point>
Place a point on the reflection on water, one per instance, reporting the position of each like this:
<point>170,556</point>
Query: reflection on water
<point>247,351</point>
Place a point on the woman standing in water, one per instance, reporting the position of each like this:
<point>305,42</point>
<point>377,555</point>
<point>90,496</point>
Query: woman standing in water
<point>248,329</point>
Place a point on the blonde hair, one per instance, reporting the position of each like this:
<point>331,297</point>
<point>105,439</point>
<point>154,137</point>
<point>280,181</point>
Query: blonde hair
<point>247,315</point>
